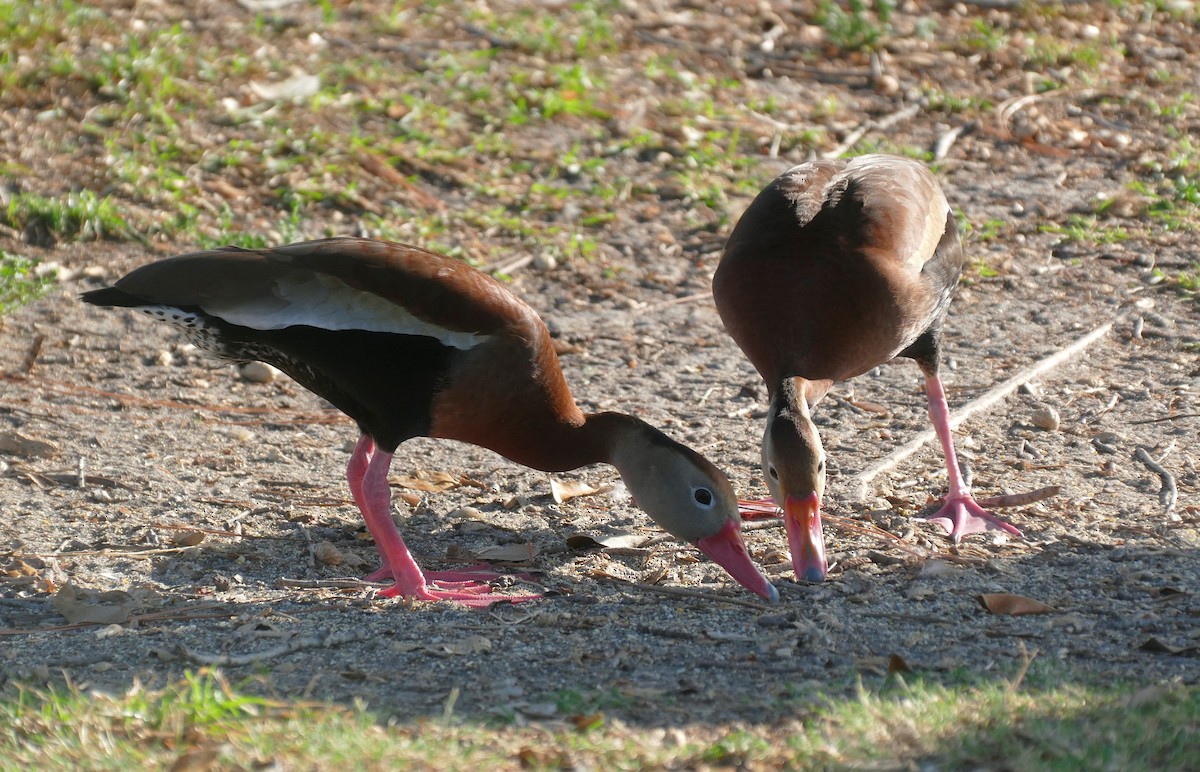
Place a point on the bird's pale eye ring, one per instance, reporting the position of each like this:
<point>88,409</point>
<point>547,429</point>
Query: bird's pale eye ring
<point>704,497</point>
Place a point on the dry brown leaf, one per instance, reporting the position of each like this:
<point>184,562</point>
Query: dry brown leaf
<point>508,553</point>
<point>18,568</point>
<point>896,664</point>
<point>198,759</point>
<point>721,635</point>
<point>870,407</point>
<point>935,568</point>
<point>585,722</point>
<point>299,86</point>
<point>1162,647</point>
<point>1004,604</point>
<point>82,606</point>
<point>563,490</point>
<point>17,444</point>
<point>583,541</point>
<point>187,538</point>
<point>1147,695</point>
<point>614,570</point>
<point>430,482</point>
<point>472,644</point>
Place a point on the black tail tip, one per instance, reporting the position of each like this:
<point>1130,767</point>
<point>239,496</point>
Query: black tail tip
<point>110,297</point>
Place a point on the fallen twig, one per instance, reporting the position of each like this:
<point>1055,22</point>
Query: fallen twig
<point>768,508</point>
<point>330,584</point>
<point>1175,417</point>
<point>274,415</point>
<point>220,532</point>
<point>510,267</point>
<point>298,643</point>
<point>864,478</point>
<point>683,592</point>
<point>1026,660</point>
<point>871,125</point>
<point>136,619</point>
<point>35,349</point>
<point>1019,499</point>
<point>945,141</point>
<point>675,301</point>
<point>1168,493</point>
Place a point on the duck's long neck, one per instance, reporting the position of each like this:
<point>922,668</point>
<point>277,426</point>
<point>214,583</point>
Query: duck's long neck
<point>563,445</point>
<point>800,393</point>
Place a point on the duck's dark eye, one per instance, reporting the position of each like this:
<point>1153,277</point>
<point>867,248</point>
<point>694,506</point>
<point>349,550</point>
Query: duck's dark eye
<point>774,474</point>
<point>703,497</point>
<point>821,465</point>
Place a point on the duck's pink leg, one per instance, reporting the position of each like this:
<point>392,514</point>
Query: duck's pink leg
<point>367,474</point>
<point>960,515</point>
<point>364,449</point>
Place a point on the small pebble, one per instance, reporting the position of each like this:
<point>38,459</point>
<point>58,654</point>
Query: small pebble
<point>328,554</point>
<point>257,372</point>
<point>887,85</point>
<point>241,434</point>
<point>1045,418</point>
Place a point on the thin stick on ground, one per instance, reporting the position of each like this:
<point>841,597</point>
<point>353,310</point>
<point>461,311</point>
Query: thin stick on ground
<point>1019,499</point>
<point>1169,492</point>
<point>288,647</point>
<point>881,124</point>
<point>683,592</point>
<point>863,479</point>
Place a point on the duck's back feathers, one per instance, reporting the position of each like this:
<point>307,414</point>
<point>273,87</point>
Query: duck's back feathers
<point>838,266</point>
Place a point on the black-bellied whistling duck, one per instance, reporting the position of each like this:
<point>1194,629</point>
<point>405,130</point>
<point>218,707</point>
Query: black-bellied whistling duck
<point>410,343</point>
<point>835,268</point>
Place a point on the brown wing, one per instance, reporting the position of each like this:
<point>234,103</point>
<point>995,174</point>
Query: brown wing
<point>823,275</point>
<point>340,283</point>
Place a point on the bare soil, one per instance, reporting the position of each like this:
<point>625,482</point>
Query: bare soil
<point>150,439</point>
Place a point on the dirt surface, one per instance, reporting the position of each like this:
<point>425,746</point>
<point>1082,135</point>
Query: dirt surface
<point>150,439</point>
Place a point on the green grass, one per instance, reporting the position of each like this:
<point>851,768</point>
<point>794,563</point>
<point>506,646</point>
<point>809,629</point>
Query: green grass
<point>80,216</point>
<point>1042,724</point>
<point>856,26</point>
<point>1085,229</point>
<point>20,283</point>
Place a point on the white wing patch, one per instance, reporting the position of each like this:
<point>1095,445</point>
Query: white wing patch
<point>322,301</point>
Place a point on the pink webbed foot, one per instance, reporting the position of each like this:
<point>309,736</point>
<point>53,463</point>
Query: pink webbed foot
<point>367,475</point>
<point>467,586</point>
<point>961,516</point>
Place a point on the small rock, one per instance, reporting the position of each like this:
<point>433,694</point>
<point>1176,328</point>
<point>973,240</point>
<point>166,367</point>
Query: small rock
<point>466,513</point>
<point>888,85</point>
<point>241,434</point>
<point>257,372</point>
<point>328,554</point>
<point>1045,418</point>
